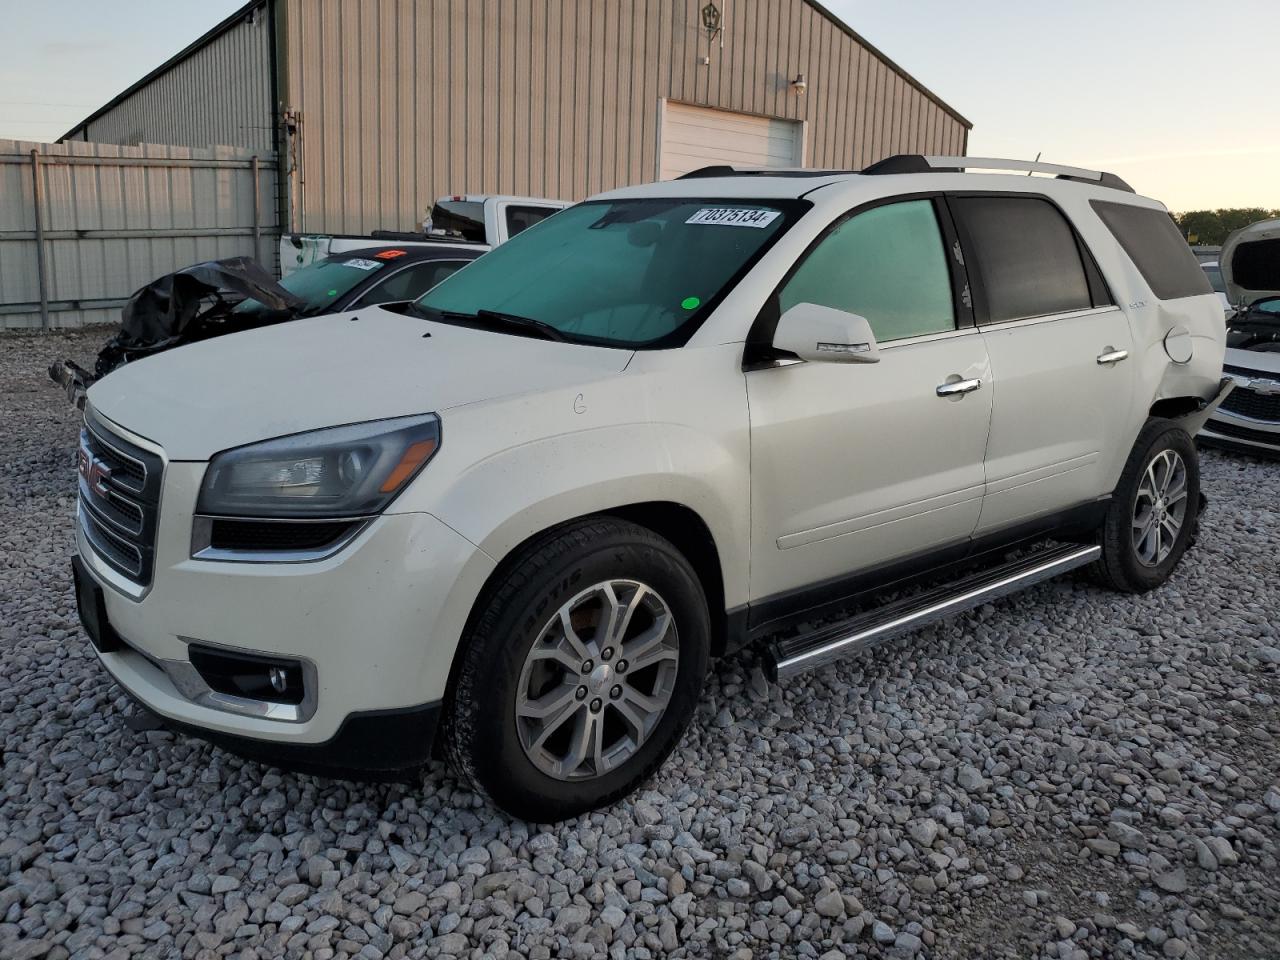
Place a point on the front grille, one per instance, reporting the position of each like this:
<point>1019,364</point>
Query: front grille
<point>1228,428</point>
<point>1256,406</point>
<point>119,499</point>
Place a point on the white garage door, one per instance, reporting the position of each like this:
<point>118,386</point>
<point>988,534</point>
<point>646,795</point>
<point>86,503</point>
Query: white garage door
<point>694,137</point>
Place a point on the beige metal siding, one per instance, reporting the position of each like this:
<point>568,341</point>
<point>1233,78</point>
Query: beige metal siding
<point>219,94</point>
<point>561,97</point>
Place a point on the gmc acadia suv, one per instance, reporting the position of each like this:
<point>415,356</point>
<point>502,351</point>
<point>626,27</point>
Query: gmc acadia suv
<point>511,521</point>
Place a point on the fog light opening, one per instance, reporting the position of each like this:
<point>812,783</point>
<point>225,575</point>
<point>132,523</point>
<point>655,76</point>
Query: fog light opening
<point>250,676</point>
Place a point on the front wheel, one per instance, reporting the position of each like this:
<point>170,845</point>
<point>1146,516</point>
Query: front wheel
<point>580,672</point>
<point>1154,511</point>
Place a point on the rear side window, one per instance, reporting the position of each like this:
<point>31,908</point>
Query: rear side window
<point>1028,261</point>
<point>412,282</point>
<point>520,219</point>
<point>1156,248</point>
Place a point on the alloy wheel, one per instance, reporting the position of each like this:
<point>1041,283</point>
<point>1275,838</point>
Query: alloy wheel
<point>597,680</point>
<point>1160,508</point>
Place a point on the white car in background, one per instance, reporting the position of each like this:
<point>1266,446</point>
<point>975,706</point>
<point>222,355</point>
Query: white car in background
<point>513,520</point>
<point>1214,273</point>
<point>1249,419</point>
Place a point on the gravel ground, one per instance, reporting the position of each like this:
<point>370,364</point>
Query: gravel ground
<point>1068,773</point>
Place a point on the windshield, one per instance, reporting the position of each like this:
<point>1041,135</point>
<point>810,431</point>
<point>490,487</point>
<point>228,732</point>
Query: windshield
<point>321,283</point>
<point>626,273</point>
<point>1214,274</point>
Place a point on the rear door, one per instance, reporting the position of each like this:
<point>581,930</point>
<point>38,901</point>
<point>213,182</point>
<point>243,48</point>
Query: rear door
<point>1059,352</point>
<point>855,464</point>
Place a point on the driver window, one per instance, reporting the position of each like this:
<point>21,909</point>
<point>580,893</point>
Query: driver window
<point>888,264</point>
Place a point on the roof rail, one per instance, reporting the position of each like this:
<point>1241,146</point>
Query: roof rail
<point>724,170</point>
<point>918,163</point>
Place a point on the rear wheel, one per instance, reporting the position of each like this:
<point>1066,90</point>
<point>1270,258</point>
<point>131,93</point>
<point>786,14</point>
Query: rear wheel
<point>580,672</point>
<point>1154,511</point>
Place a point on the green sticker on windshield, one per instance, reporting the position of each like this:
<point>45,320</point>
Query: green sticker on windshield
<point>332,293</point>
<point>690,303</point>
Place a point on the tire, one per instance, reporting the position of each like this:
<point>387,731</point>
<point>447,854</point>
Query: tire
<point>491,737</point>
<point>1130,561</point>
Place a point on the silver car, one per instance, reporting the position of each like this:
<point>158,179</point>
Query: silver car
<point>1249,418</point>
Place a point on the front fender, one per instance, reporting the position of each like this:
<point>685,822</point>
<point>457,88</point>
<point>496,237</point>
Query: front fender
<point>503,500</point>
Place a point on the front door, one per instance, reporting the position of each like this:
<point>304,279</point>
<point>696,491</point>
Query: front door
<point>855,465</point>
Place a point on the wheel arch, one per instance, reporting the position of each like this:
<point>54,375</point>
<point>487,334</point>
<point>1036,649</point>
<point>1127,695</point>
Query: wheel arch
<point>1191,411</point>
<point>679,523</point>
<point>1173,408</point>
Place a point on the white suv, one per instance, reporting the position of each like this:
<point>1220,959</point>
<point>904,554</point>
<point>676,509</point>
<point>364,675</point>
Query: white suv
<point>511,522</point>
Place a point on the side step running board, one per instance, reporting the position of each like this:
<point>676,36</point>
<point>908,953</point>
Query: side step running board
<point>835,641</point>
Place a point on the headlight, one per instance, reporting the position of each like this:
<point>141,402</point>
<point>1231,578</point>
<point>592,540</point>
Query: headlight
<point>351,471</point>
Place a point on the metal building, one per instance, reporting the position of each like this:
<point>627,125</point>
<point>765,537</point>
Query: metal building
<point>380,106</point>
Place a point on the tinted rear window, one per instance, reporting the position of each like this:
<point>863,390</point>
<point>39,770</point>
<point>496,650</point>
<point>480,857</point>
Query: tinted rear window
<point>1256,265</point>
<point>1153,243</point>
<point>1027,259</point>
<point>459,218</point>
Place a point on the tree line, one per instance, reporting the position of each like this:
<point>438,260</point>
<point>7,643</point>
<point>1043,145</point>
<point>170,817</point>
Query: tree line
<point>1211,227</point>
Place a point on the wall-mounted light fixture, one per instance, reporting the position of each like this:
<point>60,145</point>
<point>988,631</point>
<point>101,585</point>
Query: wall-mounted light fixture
<point>798,86</point>
<point>711,20</point>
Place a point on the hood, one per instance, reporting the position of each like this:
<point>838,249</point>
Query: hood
<point>204,397</point>
<point>1250,262</point>
<point>160,312</point>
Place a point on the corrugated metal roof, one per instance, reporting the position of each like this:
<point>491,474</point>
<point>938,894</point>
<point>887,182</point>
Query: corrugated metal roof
<point>890,63</point>
<point>192,48</point>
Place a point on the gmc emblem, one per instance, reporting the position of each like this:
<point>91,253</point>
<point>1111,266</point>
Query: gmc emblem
<point>95,472</point>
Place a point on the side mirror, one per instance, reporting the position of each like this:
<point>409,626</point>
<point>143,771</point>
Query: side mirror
<point>824,334</point>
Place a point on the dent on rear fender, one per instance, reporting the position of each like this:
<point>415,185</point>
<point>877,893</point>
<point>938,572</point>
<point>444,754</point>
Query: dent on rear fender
<point>1199,376</point>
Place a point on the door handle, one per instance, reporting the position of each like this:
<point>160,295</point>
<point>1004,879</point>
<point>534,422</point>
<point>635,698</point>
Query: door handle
<point>958,388</point>
<point>1111,355</point>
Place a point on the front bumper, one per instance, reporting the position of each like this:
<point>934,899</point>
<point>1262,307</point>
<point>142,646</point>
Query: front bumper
<point>371,744</point>
<point>377,625</point>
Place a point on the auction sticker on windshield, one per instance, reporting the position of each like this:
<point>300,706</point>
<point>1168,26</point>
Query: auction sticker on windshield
<point>734,217</point>
<point>361,264</point>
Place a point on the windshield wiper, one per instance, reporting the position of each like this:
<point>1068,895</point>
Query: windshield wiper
<point>510,320</point>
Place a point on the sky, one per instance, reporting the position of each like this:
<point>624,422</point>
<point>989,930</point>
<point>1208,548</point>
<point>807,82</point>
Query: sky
<point>1177,97</point>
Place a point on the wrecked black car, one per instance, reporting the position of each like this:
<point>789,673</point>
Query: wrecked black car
<point>219,297</point>
<point>1249,418</point>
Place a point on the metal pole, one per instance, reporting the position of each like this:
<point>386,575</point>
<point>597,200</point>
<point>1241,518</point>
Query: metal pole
<point>37,194</point>
<point>257,210</point>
